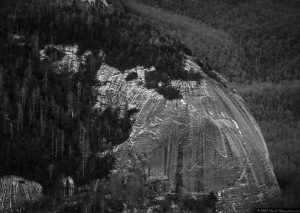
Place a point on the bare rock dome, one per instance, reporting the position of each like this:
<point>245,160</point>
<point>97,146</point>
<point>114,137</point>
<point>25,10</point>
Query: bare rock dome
<point>205,141</point>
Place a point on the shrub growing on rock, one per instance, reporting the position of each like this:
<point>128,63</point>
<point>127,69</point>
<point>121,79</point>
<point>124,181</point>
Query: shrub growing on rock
<point>131,76</point>
<point>169,92</point>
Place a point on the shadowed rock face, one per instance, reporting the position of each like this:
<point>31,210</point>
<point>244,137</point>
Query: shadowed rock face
<point>206,141</point>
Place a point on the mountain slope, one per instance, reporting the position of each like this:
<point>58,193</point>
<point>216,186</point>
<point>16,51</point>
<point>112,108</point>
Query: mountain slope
<point>66,107</point>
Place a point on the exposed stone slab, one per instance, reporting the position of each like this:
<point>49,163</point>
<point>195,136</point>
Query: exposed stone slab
<point>206,141</point>
<point>15,192</point>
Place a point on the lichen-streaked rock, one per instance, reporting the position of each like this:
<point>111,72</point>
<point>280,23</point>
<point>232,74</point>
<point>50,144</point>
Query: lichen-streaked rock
<point>15,192</point>
<point>206,141</point>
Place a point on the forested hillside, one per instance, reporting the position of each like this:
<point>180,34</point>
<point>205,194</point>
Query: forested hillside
<point>49,127</point>
<point>266,34</point>
<point>48,124</point>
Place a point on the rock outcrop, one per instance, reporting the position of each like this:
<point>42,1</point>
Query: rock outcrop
<point>15,192</point>
<point>205,141</point>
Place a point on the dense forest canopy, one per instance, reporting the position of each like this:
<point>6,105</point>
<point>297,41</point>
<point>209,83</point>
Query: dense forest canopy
<point>265,32</point>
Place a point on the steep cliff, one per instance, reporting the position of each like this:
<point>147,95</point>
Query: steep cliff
<point>205,141</point>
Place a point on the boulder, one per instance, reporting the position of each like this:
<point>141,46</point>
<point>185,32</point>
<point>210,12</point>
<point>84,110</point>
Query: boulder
<point>16,192</point>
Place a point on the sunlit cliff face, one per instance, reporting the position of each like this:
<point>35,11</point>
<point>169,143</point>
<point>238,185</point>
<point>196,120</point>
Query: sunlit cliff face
<point>205,141</point>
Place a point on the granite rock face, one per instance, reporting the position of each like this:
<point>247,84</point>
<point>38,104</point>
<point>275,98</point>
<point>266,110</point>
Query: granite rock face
<point>15,192</point>
<point>206,141</point>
